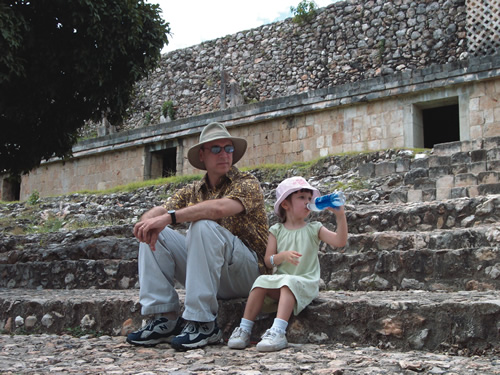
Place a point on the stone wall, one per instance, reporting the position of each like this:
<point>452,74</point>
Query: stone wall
<point>380,113</point>
<point>93,172</point>
<point>348,41</point>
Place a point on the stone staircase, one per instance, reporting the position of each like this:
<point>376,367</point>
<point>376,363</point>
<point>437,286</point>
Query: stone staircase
<point>421,269</point>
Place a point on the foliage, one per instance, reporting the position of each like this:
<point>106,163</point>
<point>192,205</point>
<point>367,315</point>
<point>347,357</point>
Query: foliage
<point>80,332</point>
<point>52,224</point>
<point>66,62</point>
<point>33,198</point>
<point>305,11</point>
<point>168,109</point>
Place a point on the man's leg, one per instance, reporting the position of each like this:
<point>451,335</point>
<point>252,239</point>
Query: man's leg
<point>158,271</point>
<point>218,265</point>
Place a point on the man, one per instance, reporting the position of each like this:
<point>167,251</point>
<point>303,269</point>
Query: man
<point>221,255</point>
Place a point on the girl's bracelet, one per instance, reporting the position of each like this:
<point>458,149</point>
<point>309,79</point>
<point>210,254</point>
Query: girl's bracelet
<point>271,259</point>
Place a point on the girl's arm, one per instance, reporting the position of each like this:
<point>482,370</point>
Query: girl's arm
<point>272,249</point>
<point>338,238</point>
<point>285,256</point>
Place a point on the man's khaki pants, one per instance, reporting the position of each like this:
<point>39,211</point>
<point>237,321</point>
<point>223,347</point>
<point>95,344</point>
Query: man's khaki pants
<point>209,261</point>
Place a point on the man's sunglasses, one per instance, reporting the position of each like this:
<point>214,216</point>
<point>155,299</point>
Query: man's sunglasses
<point>217,149</point>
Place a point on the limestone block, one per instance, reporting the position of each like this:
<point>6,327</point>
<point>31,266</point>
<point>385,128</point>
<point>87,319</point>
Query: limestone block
<point>420,163</point>
<point>447,149</point>
<point>438,172</point>
<point>366,170</point>
<point>465,179</point>
<point>493,154</point>
<point>472,191</point>
<point>492,143</point>
<point>415,196</point>
<point>459,192</point>
<point>488,177</point>
<point>478,155</point>
<point>486,189</point>
<point>414,174</point>
<point>493,165</point>
<point>439,161</point>
<point>461,158</point>
<point>428,195</point>
<point>402,165</point>
<point>424,183</point>
<point>443,193</point>
<point>477,167</point>
<point>385,169</point>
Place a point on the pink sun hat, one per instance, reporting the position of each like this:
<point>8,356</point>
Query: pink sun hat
<point>289,186</point>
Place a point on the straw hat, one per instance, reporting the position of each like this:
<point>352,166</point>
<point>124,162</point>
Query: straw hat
<point>212,132</point>
<point>289,186</point>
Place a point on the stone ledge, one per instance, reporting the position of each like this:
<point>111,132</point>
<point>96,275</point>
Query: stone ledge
<point>404,320</point>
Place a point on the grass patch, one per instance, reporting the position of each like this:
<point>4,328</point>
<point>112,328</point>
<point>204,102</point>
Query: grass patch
<point>80,332</point>
<point>173,180</point>
<point>52,224</point>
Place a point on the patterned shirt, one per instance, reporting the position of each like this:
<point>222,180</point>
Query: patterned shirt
<point>251,225</point>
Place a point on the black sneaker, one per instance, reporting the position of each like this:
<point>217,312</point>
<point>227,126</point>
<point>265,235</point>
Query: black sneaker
<point>155,332</point>
<point>196,335</point>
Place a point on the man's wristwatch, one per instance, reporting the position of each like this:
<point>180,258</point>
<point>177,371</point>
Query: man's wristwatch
<point>172,215</point>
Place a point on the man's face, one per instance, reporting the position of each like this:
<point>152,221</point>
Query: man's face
<point>216,157</point>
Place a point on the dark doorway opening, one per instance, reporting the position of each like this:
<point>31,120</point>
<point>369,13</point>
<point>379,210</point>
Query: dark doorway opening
<point>11,189</point>
<point>169,162</point>
<point>163,163</point>
<point>441,125</point>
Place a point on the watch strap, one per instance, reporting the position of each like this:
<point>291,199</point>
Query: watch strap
<point>172,215</point>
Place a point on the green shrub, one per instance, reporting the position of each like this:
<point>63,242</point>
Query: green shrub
<point>168,109</point>
<point>305,12</point>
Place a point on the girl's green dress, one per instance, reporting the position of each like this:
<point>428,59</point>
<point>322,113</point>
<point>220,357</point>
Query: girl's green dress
<point>302,279</point>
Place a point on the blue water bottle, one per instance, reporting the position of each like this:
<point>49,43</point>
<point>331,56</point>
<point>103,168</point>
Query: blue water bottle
<point>335,199</point>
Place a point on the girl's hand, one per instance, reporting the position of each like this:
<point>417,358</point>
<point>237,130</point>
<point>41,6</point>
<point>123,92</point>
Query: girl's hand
<point>291,257</point>
<point>337,210</point>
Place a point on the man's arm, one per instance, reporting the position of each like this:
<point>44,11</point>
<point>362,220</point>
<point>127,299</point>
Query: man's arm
<point>213,209</point>
<point>155,220</point>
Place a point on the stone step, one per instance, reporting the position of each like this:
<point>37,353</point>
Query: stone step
<point>399,320</point>
<point>117,242</point>
<point>423,269</point>
<point>421,216</point>
<point>457,238</point>
<point>70,274</point>
<point>450,148</point>
<point>118,248</point>
<point>443,269</point>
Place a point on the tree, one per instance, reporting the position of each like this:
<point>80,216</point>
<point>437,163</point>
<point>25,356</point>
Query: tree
<point>64,62</point>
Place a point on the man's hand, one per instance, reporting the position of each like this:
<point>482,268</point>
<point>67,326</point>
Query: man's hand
<point>148,230</point>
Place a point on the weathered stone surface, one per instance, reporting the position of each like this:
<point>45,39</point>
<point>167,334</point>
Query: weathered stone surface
<point>415,275</point>
<point>45,353</point>
<point>380,318</point>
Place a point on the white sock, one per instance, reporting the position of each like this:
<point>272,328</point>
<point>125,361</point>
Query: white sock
<point>279,325</point>
<point>246,325</point>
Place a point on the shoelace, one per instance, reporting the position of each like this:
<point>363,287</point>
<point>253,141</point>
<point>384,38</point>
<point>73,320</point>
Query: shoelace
<point>269,334</point>
<point>191,327</point>
<point>150,324</point>
<point>239,332</point>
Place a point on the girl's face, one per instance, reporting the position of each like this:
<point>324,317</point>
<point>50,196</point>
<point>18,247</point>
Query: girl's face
<point>298,204</point>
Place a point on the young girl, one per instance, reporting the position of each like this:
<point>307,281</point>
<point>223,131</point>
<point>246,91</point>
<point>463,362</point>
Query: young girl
<point>292,247</point>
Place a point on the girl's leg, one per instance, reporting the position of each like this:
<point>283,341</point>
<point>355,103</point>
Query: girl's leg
<point>240,338</point>
<point>254,303</point>
<point>285,304</point>
<point>275,338</point>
